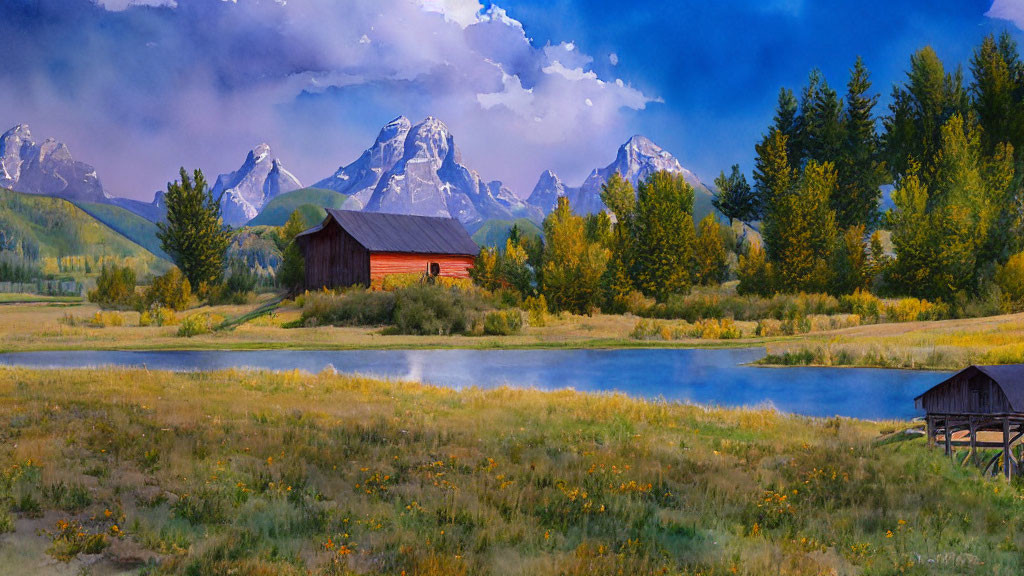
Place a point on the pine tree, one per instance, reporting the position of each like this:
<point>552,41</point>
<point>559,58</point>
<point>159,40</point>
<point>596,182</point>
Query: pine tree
<point>800,231</point>
<point>850,267</point>
<point>194,235</point>
<point>573,267</point>
<point>859,167</point>
<point>993,67</point>
<point>822,127</point>
<point>618,195</point>
<point>788,121</point>
<point>291,274</point>
<point>773,175</point>
<point>710,261</point>
<point>664,235</point>
<point>754,272</point>
<point>620,198</point>
<point>735,199</point>
<point>920,107</point>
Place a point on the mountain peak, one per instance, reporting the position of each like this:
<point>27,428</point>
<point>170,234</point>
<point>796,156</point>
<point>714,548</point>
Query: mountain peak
<point>245,191</point>
<point>45,168</point>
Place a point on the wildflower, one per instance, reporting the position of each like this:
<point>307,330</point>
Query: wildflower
<point>888,533</point>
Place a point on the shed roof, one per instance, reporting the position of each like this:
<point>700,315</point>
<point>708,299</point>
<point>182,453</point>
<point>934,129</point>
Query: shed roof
<point>1009,378</point>
<point>382,232</point>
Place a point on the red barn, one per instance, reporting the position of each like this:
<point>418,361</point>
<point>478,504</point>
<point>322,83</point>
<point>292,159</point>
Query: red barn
<point>351,247</point>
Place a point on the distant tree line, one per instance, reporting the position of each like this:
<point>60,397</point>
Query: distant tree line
<point>644,246</point>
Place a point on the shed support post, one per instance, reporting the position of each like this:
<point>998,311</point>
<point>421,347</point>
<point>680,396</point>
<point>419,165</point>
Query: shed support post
<point>947,434</point>
<point>1007,456</point>
<point>974,440</point>
<point>930,426</point>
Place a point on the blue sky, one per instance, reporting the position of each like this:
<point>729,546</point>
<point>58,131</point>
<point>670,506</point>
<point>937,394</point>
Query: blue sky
<point>524,85</point>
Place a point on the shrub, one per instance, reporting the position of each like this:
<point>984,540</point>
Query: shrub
<point>769,327</point>
<point>503,322</point>
<point>392,282</point>
<point>353,307</point>
<point>237,288</point>
<point>862,303</point>
<point>172,290</point>
<point>6,521</point>
<point>432,309</point>
<point>712,329</point>
<point>158,316</point>
<point>195,325</point>
<point>912,310</point>
<point>645,330</point>
<point>105,319</point>
<point>115,288</point>
<point>536,310</point>
<point>1010,279</point>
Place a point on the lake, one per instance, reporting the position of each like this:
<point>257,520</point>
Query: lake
<point>699,376</point>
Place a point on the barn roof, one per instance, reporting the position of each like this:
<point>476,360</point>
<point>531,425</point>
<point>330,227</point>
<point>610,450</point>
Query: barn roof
<point>1009,378</point>
<point>381,232</point>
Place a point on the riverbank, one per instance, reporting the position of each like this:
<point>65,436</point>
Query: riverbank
<point>939,345</point>
<point>294,474</point>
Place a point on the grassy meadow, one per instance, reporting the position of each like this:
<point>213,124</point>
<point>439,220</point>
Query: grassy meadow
<point>136,472</point>
<point>36,323</point>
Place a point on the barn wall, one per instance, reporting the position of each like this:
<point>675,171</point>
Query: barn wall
<point>384,263</point>
<point>976,394</point>
<point>334,258</point>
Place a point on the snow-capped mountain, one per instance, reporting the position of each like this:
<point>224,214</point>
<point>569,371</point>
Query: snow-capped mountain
<point>45,168</point>
<point>244,192</point>
<point>427,178</point>
<point>637,159</point>
<point>359,179</point>
<point>548,190</point>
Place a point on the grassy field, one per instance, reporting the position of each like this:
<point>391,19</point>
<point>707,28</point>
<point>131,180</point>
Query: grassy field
<point>111,472</point>
<point>947,344</point>
<point>14,298</point>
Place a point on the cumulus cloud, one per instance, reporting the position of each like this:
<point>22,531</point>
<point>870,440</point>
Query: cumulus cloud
<point>1012,10</point>
<point>140,87</point>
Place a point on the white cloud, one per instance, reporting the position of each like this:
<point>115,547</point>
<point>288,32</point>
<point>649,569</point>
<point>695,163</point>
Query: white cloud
<point>462,12</point>
<point>613,59</point>
<point>319,76</point>
<point>1012,10</point>
<point>557,67</point>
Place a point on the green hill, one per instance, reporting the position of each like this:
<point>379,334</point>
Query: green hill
<point>63,239</point>
<point>127,223</point>
<point>495,232</point>
<point>310,202</point>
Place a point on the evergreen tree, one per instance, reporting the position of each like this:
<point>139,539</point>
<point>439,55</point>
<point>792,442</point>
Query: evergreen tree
<point>920,107</point>
<point>822,126</point>
<point>664,235</point>
<point>618,195</point>
<point>934,248</point>
<point>995,91</point>
<point>773,174</point>
<point>573,266</point>
<point>800,231</point>
<point>710,262</point>
<point>851,270</point>
<point>735,200</point>
<point>754,272</point>
<point>788,121</point>
<point>291,274</point>
<point>620,198</point>
<point>194,235</point>
<point>859,167</point>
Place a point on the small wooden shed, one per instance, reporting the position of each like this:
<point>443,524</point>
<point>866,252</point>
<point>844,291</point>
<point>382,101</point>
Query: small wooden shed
<point>350,248</point>
<point>981,407</point>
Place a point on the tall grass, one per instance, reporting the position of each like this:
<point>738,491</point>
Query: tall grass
<point>254,473</point>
